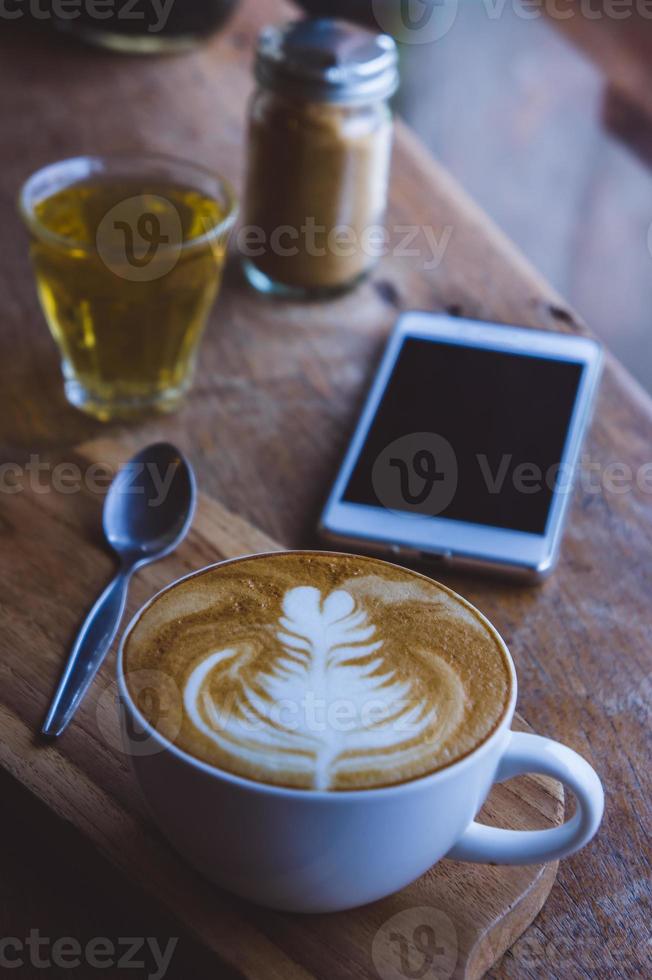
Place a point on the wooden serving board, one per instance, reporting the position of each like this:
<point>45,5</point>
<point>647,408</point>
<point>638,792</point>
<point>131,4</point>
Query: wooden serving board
<point>456,921</point>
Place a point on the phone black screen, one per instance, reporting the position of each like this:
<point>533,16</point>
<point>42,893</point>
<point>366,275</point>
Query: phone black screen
<point>468,434</point>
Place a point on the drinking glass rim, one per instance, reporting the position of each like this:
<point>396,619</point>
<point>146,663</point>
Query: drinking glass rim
<point>94,164</point>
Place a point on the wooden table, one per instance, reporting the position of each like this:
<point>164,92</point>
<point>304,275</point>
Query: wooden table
<point>277,393</point>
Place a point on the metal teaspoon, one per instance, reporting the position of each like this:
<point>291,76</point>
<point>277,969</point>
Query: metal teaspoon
<point>147,513</point>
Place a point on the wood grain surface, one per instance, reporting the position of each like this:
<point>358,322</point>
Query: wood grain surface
<point>84,777</point>
<point>276,396</point>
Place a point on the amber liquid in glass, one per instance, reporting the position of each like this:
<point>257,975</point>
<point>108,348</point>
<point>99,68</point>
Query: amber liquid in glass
<point>126,279</point>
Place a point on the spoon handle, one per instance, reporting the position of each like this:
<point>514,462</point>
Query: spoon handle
<point>91,647</point>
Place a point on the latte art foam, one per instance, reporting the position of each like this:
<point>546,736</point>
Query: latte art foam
<point>319,671</point>
<point>328,693</point>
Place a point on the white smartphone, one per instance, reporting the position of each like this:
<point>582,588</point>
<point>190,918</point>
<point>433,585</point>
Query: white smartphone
<point>467,446</point>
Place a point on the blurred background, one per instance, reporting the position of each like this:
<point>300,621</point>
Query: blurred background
<point>543,112</point>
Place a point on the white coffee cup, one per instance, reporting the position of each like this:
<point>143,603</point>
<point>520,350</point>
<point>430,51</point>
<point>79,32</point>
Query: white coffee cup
<point>307,851</point>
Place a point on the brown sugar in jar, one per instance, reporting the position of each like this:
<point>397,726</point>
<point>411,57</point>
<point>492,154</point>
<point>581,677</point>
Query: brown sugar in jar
<point>320,142</point>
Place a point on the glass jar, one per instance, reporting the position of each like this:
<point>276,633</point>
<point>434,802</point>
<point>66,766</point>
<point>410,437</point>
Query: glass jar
<point>320,139</point>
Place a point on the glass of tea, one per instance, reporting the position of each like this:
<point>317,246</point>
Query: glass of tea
<point>128,253</point>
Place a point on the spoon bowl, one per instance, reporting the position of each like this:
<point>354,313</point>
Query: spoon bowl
<point>150,504</point>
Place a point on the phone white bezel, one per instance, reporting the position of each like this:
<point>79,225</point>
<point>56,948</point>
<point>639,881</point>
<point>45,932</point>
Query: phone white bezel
<point>416,536</point>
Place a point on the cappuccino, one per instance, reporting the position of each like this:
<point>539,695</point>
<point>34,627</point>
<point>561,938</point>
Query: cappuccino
<point>318,671</point>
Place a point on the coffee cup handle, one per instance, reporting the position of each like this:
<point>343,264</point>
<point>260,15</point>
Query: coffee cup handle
<point>524,754</point>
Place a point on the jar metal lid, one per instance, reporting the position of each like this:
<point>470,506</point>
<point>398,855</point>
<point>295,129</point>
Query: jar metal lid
<point>327,61</point>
